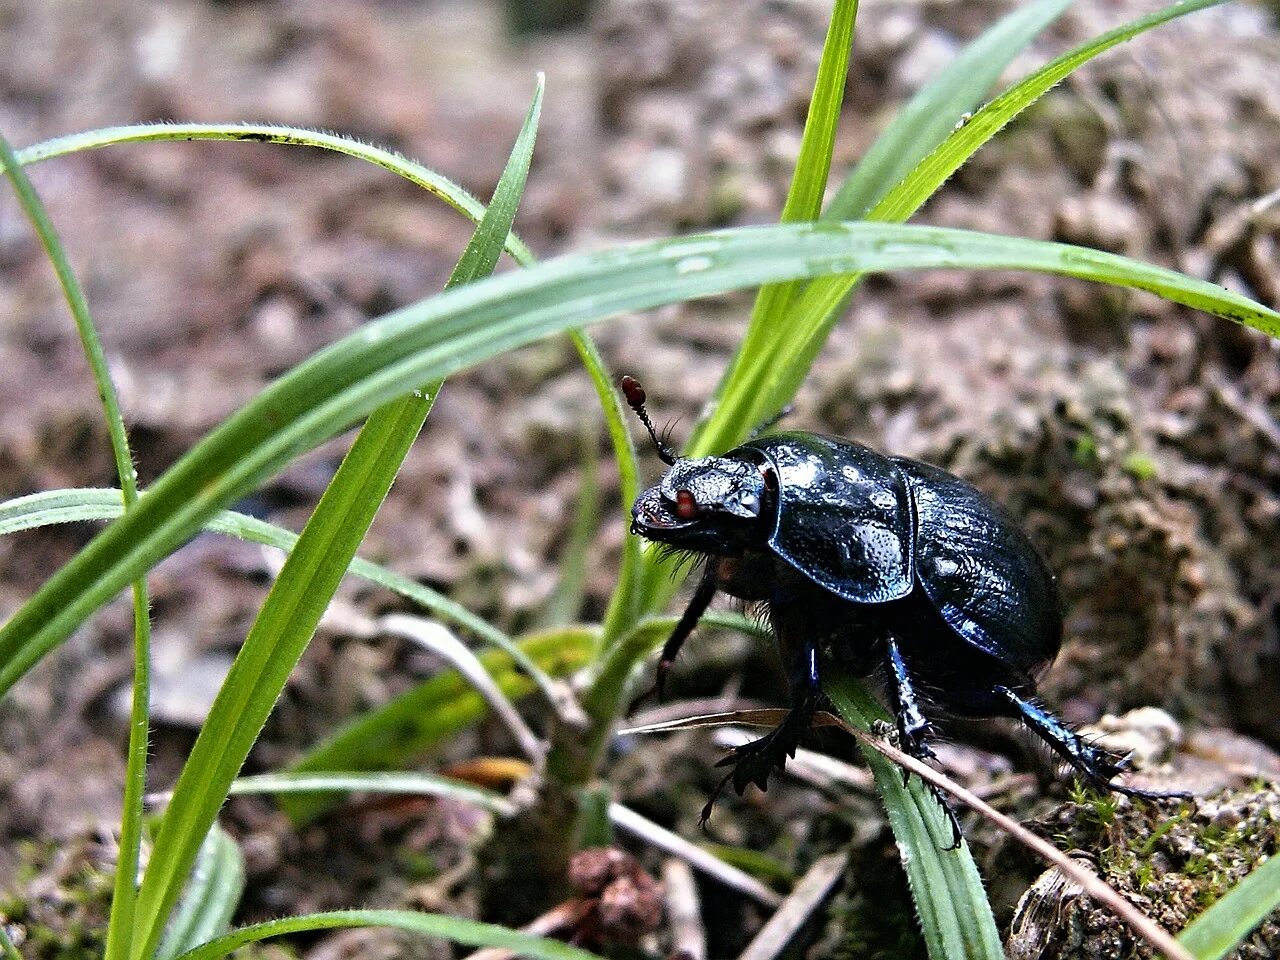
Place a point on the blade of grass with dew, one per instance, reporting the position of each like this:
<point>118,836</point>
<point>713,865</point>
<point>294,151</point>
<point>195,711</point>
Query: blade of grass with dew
<point>625,607</point>
<point>950,900</point>
<point>400,732</point>
<point>120,923</point>
<point>304,587</point>
<point>378,781</point>
<point>769,379</point>
<point>469,933</point>
<point>84,504</point>
<point>435,184</point>
<point>450,332</point>
<point>211,896</point>
<point>823,302</point>
<point>813,164</point>
<point>918,127</point>
<point>936,109</point>
<point>1221,928</point>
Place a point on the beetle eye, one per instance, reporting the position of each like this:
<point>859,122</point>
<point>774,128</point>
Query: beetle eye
<point>686,505</point>
<point>749,502</point>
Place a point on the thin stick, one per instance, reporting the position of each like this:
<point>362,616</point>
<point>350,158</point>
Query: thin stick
<point>810,893</point>
<point>684,911</point>
<point>1090,882</point>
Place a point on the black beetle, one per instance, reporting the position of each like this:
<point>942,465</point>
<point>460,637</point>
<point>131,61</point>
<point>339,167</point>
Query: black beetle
<point>873,560</point>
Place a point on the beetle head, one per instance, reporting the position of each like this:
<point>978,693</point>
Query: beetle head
<point>706,504</point>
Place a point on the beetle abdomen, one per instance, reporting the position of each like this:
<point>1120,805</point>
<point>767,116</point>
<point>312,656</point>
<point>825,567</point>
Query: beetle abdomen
<point>986,579</point>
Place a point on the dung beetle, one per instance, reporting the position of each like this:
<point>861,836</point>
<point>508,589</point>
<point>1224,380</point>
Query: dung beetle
<point>871,560</point>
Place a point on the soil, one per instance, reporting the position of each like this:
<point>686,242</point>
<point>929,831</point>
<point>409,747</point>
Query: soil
<point>1138,441</point>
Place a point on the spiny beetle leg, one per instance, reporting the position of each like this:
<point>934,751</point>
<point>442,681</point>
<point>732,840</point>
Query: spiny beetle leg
<point>1097,765</point>
<point>698,604</point>
<point>913,727</point>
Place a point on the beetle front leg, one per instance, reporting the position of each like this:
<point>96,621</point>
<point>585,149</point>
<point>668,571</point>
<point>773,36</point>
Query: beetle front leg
<point>698,604</point>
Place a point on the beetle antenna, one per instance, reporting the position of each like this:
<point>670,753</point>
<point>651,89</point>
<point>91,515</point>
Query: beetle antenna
<point>635,395</point>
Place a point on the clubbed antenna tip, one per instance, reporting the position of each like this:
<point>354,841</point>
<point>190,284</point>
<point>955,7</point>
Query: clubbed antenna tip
<point>636,397</point>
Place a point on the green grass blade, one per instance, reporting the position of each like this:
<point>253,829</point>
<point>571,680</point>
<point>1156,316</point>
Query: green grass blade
<point>945,159</point>
<point>211,897</point>
<point>950,900</point>
<point>303,589</point>
<point>1218,930</point>
<point>937,107</point>
<point>84,504</point>
<point>380,781</point>
<point>809,182</point>
<point>468,933</point>
<point>767,378</point>
<point>809,179</point>
<point>435,184</point>
<point>624,605</point>
<point>423,718</point>
<point>455,330</point>
<point>120,924</point>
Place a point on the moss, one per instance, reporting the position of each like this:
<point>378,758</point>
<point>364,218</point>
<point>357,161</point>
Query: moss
<point>1172,859</point>
<point>58,906</point>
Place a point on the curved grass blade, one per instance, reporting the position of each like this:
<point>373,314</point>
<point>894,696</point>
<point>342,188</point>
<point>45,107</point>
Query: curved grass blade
<point>435,184</point>
<point>470,933</point>
<point>85,504</point>
<point>332,782</point>
<point>120,924</point>
<point>627,606</point>
<point>624,605</point>
<point>430,340</point>
<point>211,897</point>
<point>945,159</point>
<point>305,585</point>
<point>393,736</point>
<point>932,114</point>
<point>1222,927</point>
<point>945,886</point>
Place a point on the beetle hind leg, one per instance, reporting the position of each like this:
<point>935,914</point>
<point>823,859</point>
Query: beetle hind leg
<point>1097,765</point>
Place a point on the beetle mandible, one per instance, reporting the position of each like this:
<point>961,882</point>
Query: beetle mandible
<point>877,560</point>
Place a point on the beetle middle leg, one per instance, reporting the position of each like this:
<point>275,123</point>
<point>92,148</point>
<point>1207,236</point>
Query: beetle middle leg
<point>755,762</point>
<point>912,725</point>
